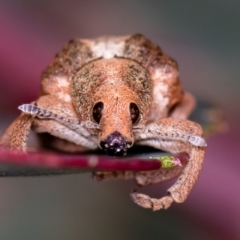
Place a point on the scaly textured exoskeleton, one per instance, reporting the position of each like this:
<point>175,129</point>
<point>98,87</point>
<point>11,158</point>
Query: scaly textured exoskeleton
<point>111,93</point>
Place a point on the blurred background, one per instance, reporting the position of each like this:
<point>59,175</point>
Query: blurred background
<point>203,36</point>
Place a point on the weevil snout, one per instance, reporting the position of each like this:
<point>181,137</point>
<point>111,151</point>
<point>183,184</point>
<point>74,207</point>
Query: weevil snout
<point>116,94</point>
<point>115,136</point>
<point>115,144</point>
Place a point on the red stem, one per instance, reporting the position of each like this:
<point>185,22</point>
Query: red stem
<point>81,162</point>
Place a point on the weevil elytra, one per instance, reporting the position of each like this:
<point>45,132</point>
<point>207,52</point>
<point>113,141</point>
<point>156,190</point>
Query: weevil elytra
<point>111,93</point>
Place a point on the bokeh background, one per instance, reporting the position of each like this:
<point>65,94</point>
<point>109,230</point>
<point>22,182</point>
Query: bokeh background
<point>204,37</point>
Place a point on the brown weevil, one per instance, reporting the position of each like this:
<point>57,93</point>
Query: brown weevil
<point>111,93</point>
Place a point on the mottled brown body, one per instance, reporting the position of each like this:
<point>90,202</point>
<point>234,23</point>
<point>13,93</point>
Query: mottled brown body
<point>111,93</point>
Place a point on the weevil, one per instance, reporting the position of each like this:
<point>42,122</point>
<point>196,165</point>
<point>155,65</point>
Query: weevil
<point>113,93</point>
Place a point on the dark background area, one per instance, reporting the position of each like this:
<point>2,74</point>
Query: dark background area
<point>203,36</point>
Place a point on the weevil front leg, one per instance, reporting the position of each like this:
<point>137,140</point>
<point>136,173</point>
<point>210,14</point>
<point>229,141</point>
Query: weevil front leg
<point>49,115</point>
<point>173,135</point>
<point>60,120</point>
<point>16,135</point>
<point>171,166</point>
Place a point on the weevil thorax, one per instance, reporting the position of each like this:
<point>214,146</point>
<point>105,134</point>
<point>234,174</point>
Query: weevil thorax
<point>116,94</point>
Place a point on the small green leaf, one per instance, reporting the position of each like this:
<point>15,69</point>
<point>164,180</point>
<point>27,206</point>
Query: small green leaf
<point>169,161</point>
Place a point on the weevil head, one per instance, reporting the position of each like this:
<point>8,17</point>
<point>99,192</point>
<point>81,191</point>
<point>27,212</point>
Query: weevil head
<point>116,94</point>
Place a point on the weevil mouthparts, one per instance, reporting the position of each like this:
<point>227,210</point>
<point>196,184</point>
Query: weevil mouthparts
<point>115,144</point>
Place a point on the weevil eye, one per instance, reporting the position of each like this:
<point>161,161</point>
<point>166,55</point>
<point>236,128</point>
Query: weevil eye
<point>134,112</point>
<point>97,111</point>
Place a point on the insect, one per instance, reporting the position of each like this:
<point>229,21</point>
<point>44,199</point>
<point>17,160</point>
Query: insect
<point>112,93</point>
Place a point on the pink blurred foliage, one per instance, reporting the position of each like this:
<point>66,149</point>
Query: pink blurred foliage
<point>22,61</point>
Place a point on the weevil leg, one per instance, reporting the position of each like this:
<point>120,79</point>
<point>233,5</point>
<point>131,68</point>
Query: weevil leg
<point>59,131</point>
<point>55,118</point>
<point>107,175</point>
<point>5,138</point>
<point>142,177</point>
<point>60,120</point>
<point>16,135</point>
<point>157,176</point>
<point>173,135</point>
<point>49,141</point>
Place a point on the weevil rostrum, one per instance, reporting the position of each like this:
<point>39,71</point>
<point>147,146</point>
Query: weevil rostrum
<point>112,93</point>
